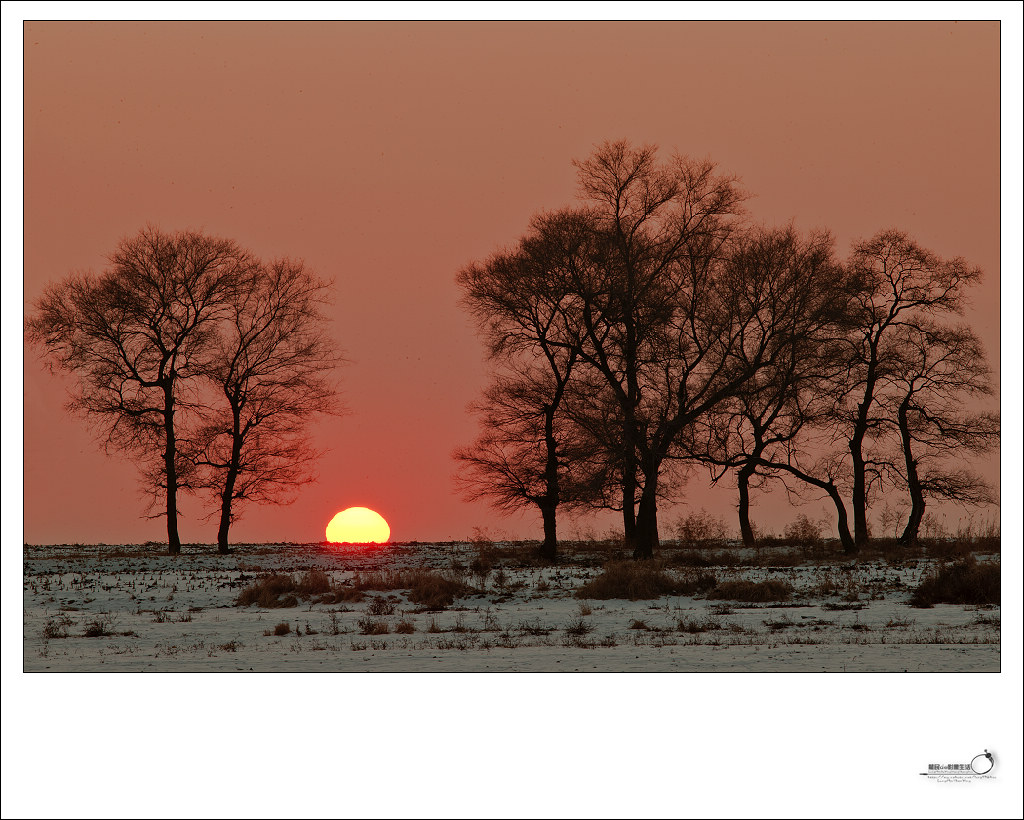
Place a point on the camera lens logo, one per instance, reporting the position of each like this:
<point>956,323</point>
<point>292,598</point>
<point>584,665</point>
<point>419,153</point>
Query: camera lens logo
<point>983,763</point>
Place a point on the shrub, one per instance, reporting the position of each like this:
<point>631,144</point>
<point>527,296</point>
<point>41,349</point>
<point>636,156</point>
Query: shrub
<point>368,626</point>
<point>282,591</point>
<point>634,580</point>
<point>405,627</point>
<point>694,626</point>
<point>380,606</point>
<point>267,592</point>
<point>57,627</point>
<point>98,627</point>
<point>962,582</point>
<point>752,591</point>
<point>693,582</point>
<point>282,628</point>
<point>701,529</point>
<point>579,628</point>
<point>805,533</point>
<point>432,590</point>
<point>314,582</point>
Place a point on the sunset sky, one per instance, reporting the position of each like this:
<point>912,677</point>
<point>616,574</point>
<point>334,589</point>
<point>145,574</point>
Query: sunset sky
<point>389,155</point>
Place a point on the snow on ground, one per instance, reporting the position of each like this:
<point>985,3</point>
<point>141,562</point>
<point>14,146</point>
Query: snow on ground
<point>161,613</point>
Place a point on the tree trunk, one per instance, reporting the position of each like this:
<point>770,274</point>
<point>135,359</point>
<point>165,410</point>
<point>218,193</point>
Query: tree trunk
<point>549,505</point>
<point>917,503</point>
<point>549,549</point>
<point>171,471</point>
<point>743,484</point>
<point>645,540</point>
<point>228,493</point>
<point>628,505</point>
<point>860,499</point>
<point>850,545</point>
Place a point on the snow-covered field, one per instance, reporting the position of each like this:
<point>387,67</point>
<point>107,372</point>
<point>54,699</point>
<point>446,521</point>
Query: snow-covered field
<point>148,611</point>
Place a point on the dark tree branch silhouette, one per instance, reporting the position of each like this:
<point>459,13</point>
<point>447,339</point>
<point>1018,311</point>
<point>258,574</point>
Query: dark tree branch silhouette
<point>939,370</point>
<point>135,336</point>
<point>805,290</point>
<point>271,367</point>
<point>528,319</point>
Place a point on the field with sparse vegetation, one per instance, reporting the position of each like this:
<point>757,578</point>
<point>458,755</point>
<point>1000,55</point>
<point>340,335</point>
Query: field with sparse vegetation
<point>486,606</point>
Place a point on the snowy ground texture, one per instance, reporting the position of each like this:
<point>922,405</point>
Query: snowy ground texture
<point>132,609</point>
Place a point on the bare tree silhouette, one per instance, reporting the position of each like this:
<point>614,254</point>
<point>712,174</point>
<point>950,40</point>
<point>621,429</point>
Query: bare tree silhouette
<point>804,288</point>
<point>525,311</point>
<point>271,367</point>
<point>136,337</point>
<point>938,371</point>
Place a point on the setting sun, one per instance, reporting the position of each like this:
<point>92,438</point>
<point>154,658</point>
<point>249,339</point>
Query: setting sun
<point>358,525</point>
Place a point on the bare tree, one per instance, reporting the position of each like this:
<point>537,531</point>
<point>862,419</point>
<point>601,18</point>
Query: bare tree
<point>804,288</point>
<point>673,331</point>
<point>528,319</point>
<point>135,337</point>
<point>271,368</point>
<point>940,371</point>
<point>895,286</point>
<point>900,284</point>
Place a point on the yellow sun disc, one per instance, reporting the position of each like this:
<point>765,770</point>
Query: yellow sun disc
<point>358,525</point>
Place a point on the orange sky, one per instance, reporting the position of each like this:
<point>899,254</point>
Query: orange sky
<point>388,155</point>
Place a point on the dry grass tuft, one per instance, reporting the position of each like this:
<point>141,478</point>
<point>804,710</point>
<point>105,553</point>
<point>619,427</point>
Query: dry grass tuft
<point>405,627</point>
<point>368,626</point>
<point>282,591</point>
<point>270,592</point>
<point>752,591</point>
<point>962,582</point>
<point>432,590</point>
<point>636,581</point>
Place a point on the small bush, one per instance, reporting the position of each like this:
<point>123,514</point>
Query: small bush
<point>701,529</point>
<point>752,591</point>
<point>57,627</point>
<point>579,628</point>
<point>267,592</point>
<point>282,628</point>
<point>962,582</point>
<point>380,606</point>
<point>314,582</point>
<point>368,626</point>
<point>405,627</point>
<point>633,580</point>
<point>432,590</point>
<point>429,589</point>
<point>98,627</point>
<point>694,626</point>
<point>283,591</point>
<point>805,533</point>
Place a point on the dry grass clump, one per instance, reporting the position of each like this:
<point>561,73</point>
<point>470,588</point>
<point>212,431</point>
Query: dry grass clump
<point>368,626</point>
<point>752,591</point>
<point>98,627</point>
<point>270,592</point>
<point>405,627</point>
<point>635,581</point>
<point>282,628</point>
<point>962,582</point>
<point>282,591</point>
<point>431,590</point>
